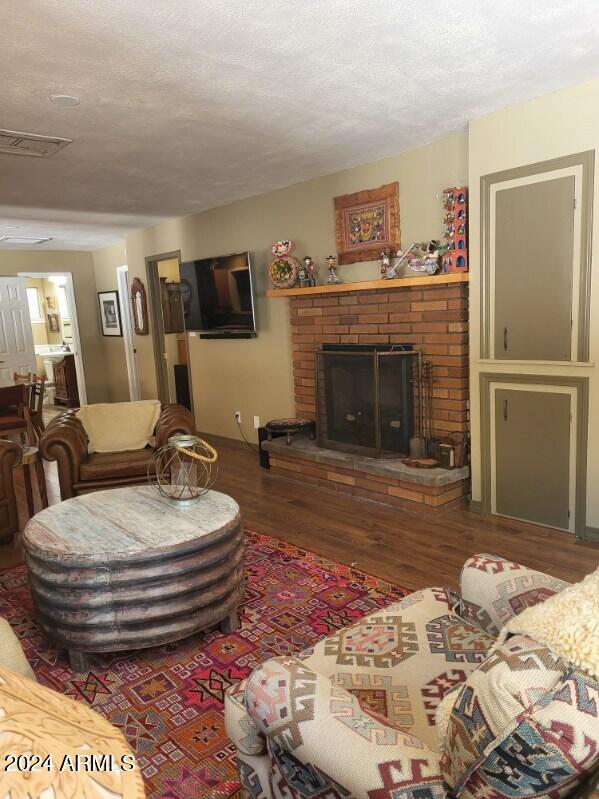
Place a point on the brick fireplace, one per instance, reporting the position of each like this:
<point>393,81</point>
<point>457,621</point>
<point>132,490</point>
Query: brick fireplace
<point>432,315</point>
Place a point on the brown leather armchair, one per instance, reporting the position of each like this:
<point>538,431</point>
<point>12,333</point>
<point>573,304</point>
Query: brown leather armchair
<point>65,441</point>
<point>10,457</point>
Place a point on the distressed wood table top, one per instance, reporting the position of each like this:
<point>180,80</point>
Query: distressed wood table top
<point>127,523</point>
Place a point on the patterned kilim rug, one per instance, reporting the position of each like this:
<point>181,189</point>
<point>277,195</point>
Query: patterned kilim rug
<point>168,701</point>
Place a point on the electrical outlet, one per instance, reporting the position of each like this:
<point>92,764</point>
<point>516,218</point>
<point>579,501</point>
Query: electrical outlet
<point>256,422</point>
<point>238,417</point>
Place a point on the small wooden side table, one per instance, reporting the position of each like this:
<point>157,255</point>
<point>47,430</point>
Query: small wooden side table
<point>290,427</point>
<point>33,469</point>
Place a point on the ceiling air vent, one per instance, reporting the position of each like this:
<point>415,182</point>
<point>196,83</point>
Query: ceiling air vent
<point>14,143</point>
<point>27,241</point>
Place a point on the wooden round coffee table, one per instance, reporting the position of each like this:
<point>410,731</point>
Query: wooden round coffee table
<point>128,569</point>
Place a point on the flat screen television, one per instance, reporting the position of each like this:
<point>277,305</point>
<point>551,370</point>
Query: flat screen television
<point>217,296</point>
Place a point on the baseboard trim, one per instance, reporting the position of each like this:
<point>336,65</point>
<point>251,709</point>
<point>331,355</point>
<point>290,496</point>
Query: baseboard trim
<point>589,534</point>
<point>476,506</point>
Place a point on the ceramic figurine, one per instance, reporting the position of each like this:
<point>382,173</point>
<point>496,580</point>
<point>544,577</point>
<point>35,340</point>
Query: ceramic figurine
<point>385,262</point>
<point>283,271</point>
<point>333,277</point>
<point>311,270</point>
<point>303,277</point>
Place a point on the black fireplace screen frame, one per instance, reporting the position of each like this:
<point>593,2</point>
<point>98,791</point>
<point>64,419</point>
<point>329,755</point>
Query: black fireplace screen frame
<point>405,400</point>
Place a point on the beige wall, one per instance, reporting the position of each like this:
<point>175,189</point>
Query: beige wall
<point>105,263</point>
<point>254,376</point>
<point>80,265</point>
<point>558,124</point>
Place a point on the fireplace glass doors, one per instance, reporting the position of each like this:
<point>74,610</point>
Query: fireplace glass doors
<point>365,399</point>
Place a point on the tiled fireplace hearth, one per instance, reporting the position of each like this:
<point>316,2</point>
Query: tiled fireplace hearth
<point>431,315</point>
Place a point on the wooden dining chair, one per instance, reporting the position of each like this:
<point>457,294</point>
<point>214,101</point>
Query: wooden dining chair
<point>20,377</point>
<point>14,413</point>
<point>36,404</point>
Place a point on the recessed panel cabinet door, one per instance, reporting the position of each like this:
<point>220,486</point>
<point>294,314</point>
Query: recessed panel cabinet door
<point>532,456</point>
<point>534,240</point>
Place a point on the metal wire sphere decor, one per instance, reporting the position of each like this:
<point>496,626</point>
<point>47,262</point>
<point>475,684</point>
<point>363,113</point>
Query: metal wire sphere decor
<point>184,468</point>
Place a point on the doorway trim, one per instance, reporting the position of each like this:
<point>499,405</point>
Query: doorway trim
<point>122,277</point>
<point>581,388</point>
<point>157,325</point>
<point>70,289</point>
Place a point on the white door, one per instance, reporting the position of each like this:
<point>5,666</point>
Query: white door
<point>16,337</point>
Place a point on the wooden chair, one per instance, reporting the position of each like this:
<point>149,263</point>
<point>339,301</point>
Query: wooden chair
<point>14,413</point>
<point>36,404</point>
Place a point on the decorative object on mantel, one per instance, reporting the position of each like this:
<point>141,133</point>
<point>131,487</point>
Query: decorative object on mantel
<point>366,222</point>
<point>385,262</point>
<point>427,257</point>
<point>303,277</point>
<point>455,202</point>
<point>283,271</point>
<point>139,307</point>
<point>310,270</point>
<point>421,258</point>
<point>333,279</point>
<point>183,470</point>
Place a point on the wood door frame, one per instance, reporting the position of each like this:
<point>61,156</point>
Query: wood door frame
<point>157,325</point>
<point>581,386</point>
<point>72,302</point>
<point>584,161</point>
<point>122,279</point>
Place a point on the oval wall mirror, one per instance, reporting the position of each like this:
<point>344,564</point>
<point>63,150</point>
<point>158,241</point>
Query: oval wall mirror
<point>139,307</point>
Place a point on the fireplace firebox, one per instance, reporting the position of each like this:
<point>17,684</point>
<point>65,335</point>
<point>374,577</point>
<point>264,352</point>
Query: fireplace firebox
<point>365,398</point>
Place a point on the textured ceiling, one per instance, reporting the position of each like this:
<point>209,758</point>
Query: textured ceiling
<point>187,105</point>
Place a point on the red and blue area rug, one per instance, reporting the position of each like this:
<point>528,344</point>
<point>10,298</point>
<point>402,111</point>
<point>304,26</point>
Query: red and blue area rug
<point>168,701</point>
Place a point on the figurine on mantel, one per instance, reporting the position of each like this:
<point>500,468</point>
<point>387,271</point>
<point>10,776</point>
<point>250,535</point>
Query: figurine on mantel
<point>333,278</point>
<point>420,258</point>
<point>303,280</point>
<point>385,262</point>
<point>310,271</point>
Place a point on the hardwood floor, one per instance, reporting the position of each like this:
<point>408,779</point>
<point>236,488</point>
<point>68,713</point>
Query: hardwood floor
<point>412,549</point>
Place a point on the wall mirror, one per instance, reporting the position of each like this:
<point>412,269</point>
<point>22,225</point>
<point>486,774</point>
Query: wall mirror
<point>139,307</point>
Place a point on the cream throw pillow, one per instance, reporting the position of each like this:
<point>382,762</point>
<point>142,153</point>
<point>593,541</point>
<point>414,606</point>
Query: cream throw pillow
<point>11,653</point>
<point>119,426</point>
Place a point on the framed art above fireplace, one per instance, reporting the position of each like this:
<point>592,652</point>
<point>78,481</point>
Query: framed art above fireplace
<point>366,223</point>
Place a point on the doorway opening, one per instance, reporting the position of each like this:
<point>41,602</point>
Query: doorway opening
<point>171,341</point>
<point>52,317</point>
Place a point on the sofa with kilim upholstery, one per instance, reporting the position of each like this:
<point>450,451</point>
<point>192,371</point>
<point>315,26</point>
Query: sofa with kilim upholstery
<point>492,693</point>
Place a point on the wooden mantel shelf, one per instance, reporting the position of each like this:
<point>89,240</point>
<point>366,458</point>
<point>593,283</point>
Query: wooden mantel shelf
<point>369,285</point>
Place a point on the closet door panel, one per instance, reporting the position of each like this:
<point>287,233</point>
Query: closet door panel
<point>532,455</point>
<point>534,240</point>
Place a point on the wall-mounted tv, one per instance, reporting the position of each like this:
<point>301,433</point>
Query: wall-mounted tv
<point>217,296</point>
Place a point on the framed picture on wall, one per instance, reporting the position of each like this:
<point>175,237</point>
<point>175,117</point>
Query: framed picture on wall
<point>110,315</point>
<point>366,223</point>
<point>53,323</point>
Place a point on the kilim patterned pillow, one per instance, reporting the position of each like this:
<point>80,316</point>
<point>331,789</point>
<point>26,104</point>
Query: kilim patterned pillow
<point>524,724</point>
